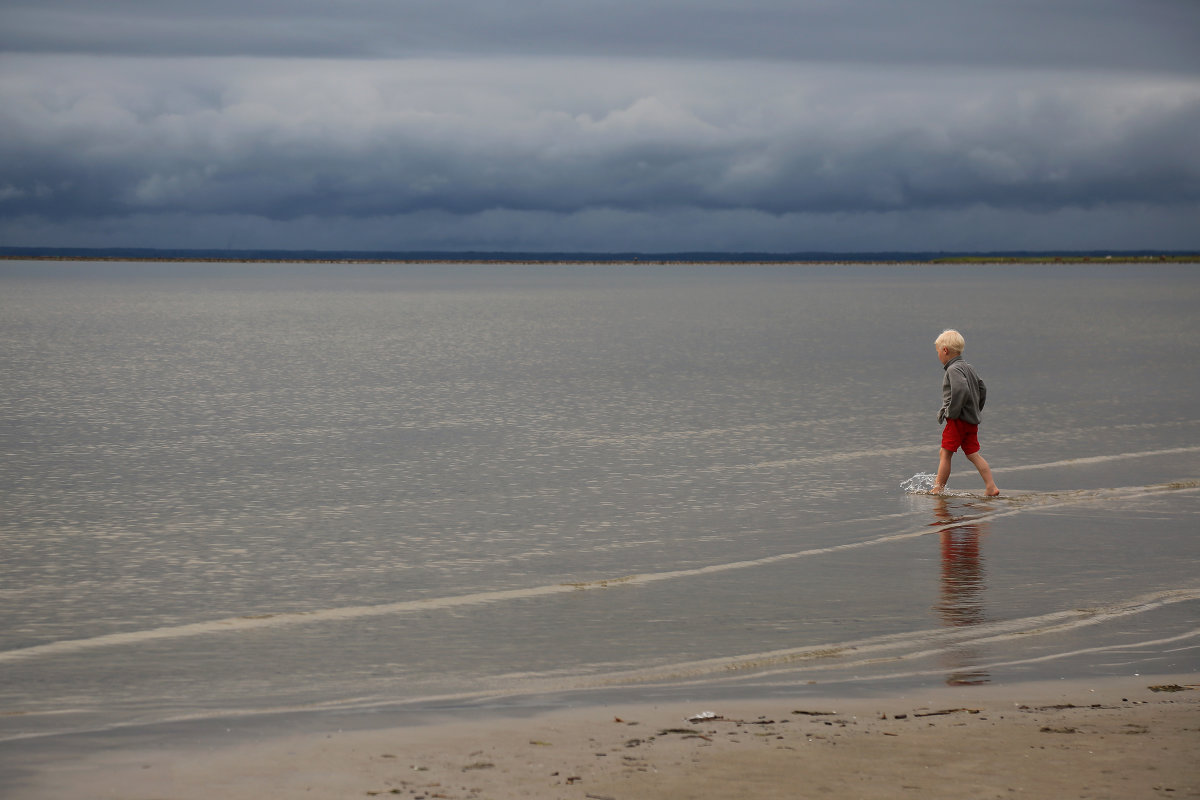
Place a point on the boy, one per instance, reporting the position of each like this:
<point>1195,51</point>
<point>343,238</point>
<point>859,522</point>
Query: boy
<point>963,396</point>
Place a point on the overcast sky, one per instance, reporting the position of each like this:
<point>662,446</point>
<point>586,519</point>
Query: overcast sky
<point>601,125</point>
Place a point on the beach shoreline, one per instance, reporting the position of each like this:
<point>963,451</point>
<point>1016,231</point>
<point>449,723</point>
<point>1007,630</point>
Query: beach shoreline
<point>1127,737</point>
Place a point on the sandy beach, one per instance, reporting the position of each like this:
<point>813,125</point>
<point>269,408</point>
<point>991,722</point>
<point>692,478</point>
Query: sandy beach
<point>1124,738</point>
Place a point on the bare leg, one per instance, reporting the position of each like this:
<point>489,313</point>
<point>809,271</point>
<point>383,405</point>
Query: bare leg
<point>985,472</point>
<point>943,474</point>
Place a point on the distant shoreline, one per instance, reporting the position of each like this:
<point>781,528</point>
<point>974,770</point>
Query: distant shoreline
<point>600,260</point>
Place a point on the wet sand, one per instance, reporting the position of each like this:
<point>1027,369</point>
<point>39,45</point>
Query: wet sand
<point>1134,737</point>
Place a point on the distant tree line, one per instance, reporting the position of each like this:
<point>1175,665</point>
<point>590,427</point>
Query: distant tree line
<point>426,256</point>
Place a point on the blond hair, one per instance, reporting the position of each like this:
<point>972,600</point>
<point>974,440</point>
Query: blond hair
<point>952,340</point>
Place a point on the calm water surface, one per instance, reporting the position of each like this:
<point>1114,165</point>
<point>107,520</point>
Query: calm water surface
<point>256,488</point>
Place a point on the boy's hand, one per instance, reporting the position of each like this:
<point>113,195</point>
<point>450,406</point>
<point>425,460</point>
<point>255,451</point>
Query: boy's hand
<point>941,416</point>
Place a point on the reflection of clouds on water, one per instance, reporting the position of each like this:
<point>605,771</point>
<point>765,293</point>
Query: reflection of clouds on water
<point>963,581</point>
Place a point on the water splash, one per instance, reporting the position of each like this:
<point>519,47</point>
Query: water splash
<point>920,483</point>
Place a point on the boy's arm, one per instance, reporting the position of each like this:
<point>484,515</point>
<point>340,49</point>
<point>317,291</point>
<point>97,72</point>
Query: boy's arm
<point>982,392</point>
<point>958,393</point>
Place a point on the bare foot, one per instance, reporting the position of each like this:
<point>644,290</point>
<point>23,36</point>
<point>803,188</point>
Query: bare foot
<point>940,489</point>
<point>993,492</point>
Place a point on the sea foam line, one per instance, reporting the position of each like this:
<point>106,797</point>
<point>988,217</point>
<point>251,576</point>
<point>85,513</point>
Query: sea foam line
<point>273,620</point>
<point>994,665</point>
<point>896,647</point>
<point>853,455</point>
<point>1071,462</point>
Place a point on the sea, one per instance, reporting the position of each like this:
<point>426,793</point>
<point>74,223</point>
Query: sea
<point>269,495</point>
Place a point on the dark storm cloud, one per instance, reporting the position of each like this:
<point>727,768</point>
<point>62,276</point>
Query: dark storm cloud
<point>1142,34</point>
<point>763,125</point>
<point>358,139</point>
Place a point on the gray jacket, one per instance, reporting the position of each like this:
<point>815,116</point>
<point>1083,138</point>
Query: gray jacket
<point>963,392</point>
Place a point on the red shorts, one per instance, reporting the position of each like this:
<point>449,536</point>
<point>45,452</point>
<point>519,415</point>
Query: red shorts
<point>960,434</point>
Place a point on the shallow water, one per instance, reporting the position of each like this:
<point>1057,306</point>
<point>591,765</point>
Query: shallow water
<point>243,489</point>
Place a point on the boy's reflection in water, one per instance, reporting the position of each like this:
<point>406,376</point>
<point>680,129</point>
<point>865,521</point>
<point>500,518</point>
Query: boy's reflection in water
<point>961,602</point>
